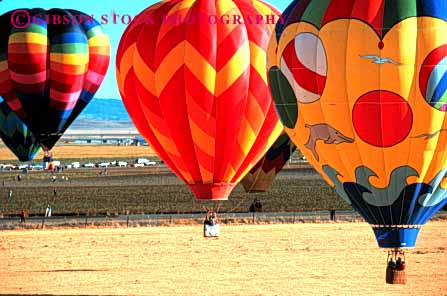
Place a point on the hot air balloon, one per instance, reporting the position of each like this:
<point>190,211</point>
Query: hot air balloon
<point>16,135</point>
<point>50,69</point>
<point>361,88</point>
<point>195,84</point>
<point>262,175</point>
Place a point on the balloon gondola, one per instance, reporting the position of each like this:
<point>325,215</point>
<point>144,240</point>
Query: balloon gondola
<point>395,270</point>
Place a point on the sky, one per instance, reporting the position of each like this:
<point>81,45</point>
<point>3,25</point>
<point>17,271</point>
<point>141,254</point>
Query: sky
<point>99,8</point>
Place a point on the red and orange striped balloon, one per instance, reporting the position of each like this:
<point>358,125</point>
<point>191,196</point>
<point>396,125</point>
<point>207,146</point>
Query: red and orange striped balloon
<point>196,88</point>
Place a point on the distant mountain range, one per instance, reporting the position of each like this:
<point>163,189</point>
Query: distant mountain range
<point>103,114</point>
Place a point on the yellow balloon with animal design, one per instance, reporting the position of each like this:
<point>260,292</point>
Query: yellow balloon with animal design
<point>366,78</point>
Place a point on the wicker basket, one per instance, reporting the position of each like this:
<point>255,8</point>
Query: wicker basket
<point>395,276</point>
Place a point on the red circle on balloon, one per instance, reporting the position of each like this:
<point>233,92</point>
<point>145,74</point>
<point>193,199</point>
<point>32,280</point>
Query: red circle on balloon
<point>382,118</point>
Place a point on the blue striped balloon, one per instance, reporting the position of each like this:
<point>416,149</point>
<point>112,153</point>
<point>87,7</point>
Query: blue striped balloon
<point>16,135</point>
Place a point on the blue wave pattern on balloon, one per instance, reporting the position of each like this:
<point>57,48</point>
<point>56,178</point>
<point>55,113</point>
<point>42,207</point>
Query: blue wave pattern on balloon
<point>393,210</point>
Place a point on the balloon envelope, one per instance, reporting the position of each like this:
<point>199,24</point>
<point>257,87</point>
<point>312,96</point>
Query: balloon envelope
<point>16,135</point>
<point>50,70</point>
<point>361,88</point>
<point>197,90</point>
<point>262,175</point>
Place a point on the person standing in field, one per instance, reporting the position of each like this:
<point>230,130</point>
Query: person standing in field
<point>48,211</point>
<point>10,195</point>
<point>211,226</point>
<point>332,214</point>
<point>23,215</point>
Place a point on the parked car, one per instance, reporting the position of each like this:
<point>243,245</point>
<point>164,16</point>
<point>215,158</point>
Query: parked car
<point>141,160</point>
<point>8,167</point>
<point>88,165</point>
<point>122,163</point>
<point>145,161</point>
<point>22,166</point>
<point>103,164</point>
<point>37,167</point>
<point>138,165</point>
<point>76,164</point>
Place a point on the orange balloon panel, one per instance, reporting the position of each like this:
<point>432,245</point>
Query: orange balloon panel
<point>193,78</point>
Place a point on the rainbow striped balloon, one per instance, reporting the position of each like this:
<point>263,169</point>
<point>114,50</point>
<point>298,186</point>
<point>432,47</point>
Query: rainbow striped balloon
<point>195,84</point>
<point>50,70</point>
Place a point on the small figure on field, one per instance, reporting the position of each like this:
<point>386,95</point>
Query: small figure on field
<point>332,214</point>
<point>10,195</point>
<point>256,206</point>
<point>48,211</point>
<point>23,216</point>
<point>211,226</point>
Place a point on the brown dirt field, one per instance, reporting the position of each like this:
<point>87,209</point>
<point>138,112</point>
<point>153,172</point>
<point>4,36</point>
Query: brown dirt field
<point>280,259</point>
<point>88,151</point>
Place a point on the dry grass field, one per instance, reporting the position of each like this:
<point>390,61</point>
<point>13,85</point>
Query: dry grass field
<point>280,259</point>
<point>87,151</point>
<point>154,190</point>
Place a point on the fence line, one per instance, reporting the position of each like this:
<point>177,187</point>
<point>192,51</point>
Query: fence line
<point>167,219</point>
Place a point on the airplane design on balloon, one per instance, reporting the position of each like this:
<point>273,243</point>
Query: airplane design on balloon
<point>326,133</point>
<point>379,60</point>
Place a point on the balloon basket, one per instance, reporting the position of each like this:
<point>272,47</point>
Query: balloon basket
<point>394,276</point>
<point>395,270</point>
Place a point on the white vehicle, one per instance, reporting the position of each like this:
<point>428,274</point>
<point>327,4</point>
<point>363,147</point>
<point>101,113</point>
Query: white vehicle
<point>142,160</point>
<point>138,165</point>
<point>122,163</point>
<point>88,165</point>
<point>8,167</point>
<point>68,166</point>
<point>76,165</point>
<point>103,164</point>
<point>23,166</point>
<point>145,161</point>
<point>37,167</point>
<point>56,163</point>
